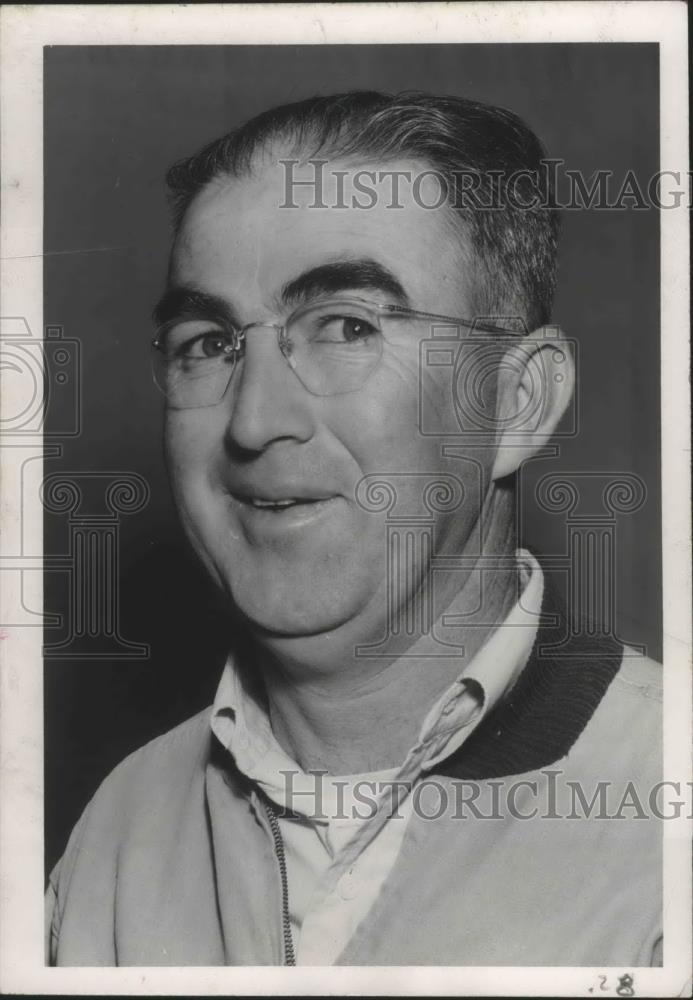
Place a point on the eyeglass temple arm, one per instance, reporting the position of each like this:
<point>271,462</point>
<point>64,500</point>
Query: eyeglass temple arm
<point>457,320</point>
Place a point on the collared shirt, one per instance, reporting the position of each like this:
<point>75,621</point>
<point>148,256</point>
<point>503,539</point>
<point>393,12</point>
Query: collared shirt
<point>323,817</point>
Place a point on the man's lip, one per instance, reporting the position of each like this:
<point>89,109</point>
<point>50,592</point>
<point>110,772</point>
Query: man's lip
<point>275,497</point>
<point>271,520</point>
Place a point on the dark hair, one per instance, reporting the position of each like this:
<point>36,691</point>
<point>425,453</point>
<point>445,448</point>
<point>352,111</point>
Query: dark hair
<point>514,240</point>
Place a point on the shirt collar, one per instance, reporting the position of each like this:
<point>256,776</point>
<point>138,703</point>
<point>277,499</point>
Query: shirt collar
<point>492,671</point>
<point>242,726</point>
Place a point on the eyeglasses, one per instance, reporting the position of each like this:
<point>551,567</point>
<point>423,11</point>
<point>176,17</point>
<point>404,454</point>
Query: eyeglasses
<point>332,346</point>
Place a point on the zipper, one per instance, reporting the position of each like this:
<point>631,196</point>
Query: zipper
<point>289,953</point>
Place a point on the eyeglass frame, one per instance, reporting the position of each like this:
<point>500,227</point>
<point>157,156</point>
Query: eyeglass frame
<point>238,336</point>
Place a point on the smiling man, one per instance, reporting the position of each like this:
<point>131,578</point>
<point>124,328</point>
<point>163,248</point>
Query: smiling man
<point>353,373</point>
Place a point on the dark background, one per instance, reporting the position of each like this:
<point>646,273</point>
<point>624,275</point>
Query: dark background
<point>115,119</point>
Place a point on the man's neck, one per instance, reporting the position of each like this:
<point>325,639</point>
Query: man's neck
<point>356,714</point>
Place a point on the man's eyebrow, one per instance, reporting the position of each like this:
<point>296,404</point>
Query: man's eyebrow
<point>181,302</point>
<point>343,276</point>
<point>187,302</point>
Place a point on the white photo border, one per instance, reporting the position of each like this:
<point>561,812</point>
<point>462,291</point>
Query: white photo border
<point>25,30</point>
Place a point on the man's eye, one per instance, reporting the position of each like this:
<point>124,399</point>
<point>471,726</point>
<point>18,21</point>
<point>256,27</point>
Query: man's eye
<point>345,329</point>
<point>212,344</point>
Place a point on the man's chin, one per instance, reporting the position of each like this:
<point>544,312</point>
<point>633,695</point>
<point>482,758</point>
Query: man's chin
<point>285,593</point>
<point>293,606</point>
<point>286,622</point>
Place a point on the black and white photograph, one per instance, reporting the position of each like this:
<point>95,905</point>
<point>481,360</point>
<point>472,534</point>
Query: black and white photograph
<point>346,573</point>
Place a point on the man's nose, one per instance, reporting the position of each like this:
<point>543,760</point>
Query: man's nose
<point>265,399</point>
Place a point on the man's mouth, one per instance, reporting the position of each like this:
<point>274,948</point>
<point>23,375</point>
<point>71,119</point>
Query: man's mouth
<point>261,504</point>
<point>293,508</point>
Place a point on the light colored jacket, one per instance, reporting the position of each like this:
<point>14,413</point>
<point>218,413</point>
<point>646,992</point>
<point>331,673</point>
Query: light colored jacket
<point>174,863</point>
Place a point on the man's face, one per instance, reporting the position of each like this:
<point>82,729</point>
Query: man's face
<point>314,566</point>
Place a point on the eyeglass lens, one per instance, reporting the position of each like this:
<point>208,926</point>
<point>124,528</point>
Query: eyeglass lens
<point>331,346</point>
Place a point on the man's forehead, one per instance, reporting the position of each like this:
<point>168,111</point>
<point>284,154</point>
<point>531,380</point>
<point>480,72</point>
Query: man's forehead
<point>267,227</point>
<point>321,191</point>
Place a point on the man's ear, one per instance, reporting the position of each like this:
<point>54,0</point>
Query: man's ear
<point>535,385</point>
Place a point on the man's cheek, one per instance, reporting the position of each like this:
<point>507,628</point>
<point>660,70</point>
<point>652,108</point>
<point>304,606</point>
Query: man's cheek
<point>188,446</point>
<point>177,447</point>
<point>388,411</point>
<point>399,373</point>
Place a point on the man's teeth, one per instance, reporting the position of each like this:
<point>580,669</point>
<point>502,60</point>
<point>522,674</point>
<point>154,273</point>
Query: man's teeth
<point>273,503</point>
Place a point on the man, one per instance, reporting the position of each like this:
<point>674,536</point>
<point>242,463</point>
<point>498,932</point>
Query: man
<point>354,351</point>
